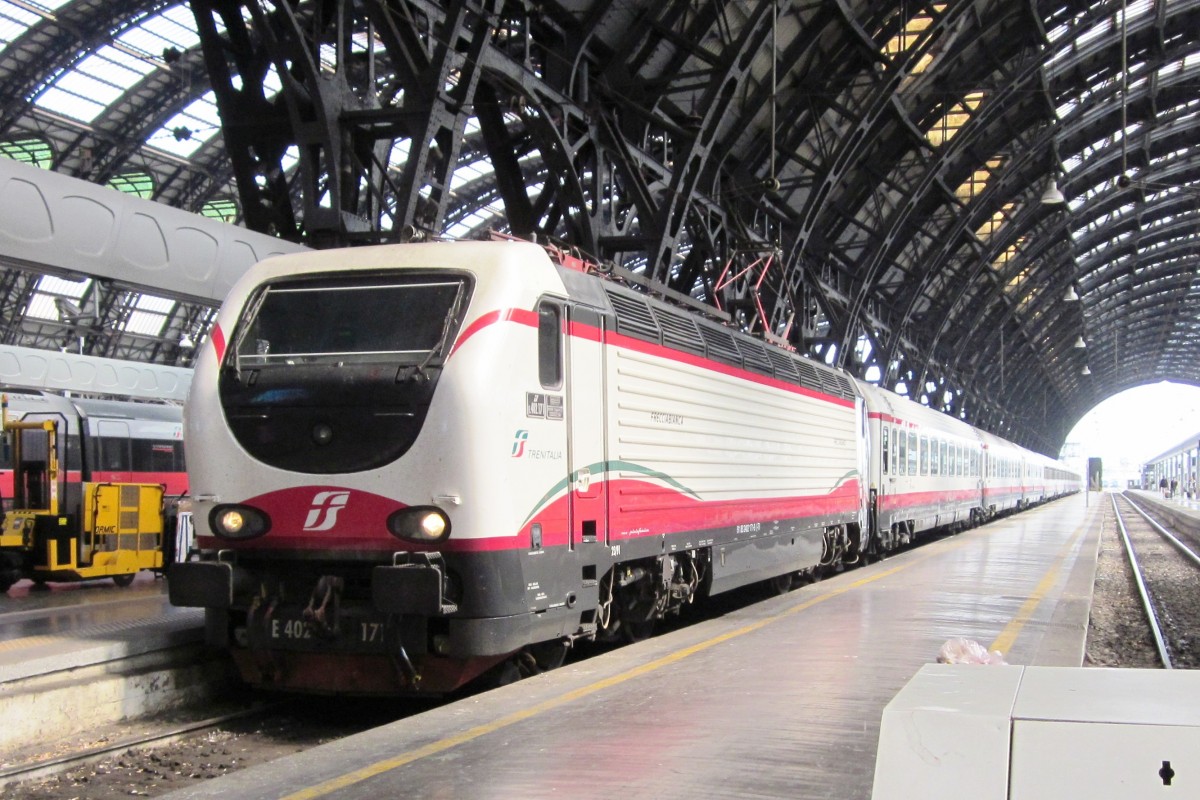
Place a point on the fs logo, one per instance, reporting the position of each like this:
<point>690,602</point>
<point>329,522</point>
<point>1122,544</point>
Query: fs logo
<point>519,443</point>
<point>322,515</point>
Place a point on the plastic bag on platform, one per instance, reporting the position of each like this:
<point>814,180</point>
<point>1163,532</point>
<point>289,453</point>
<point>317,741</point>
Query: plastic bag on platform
<point>968,651</point>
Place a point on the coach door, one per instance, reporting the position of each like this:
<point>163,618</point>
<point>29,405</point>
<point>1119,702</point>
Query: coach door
<point>586,426</point>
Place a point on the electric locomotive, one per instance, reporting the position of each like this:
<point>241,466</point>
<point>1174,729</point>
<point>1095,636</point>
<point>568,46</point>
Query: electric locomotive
<point>411,464</point>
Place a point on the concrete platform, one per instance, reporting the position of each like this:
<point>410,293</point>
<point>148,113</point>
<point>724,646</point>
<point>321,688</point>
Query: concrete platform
<point>75,657</point>
<point>780,699</point>
<point>1183,512</point>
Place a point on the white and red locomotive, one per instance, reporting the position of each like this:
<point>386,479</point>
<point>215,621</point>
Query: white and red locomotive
<point>413,463</point>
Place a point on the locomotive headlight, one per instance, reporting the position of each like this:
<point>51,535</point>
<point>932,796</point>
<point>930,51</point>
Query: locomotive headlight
<point>232,522</point>
<point>419,524</point>
<point>238,522</point>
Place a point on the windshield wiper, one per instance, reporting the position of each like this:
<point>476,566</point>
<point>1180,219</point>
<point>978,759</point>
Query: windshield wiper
<point>447,326</point>
<point>248,317</point>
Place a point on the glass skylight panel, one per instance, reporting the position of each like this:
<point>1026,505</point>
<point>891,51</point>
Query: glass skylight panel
<point>94,83</point>
<point>1102,27</point>
<point>149,302</point>
<point>51,288</point>
<point>471,222</point>
<point>271,83</point>
<point>69,103</point>
<point>328,57</point>
<point>224,210</point>
<point>291,157</point>
<point>467,173</point>
<point>1066,109</point>
<point>122,66</point>
<point>399,154</point>
<point>35,151</point>
<point>145,322</point>
<point>41,306</point>
<point>14,21</point>
<point>957,116</point>
<point>62,286</point>
<point>174,27</point>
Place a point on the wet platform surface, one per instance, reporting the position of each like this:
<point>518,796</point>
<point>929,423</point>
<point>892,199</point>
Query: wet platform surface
<point>779,699</point>
<point>69,625</point>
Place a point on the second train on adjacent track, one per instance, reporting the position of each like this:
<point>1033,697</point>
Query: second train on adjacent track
<point>413,464</point>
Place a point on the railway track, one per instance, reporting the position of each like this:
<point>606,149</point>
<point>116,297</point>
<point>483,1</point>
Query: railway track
<point>1166,569</point>
<point>41,769</point>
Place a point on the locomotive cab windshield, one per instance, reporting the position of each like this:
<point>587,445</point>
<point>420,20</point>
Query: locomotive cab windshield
<point>344,322</point>
<point>348,360</point>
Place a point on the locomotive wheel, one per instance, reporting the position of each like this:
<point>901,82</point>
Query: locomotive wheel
<point>782,584</point>
<point>7,578</point>
<point>548,655</point>
<point>123,580</point>
<point>637,631</point>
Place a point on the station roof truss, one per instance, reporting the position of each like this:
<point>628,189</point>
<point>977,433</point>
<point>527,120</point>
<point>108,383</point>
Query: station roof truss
<point>871,183</point>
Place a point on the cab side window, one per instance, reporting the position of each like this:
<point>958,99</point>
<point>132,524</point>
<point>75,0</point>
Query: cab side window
<point>550,345</point>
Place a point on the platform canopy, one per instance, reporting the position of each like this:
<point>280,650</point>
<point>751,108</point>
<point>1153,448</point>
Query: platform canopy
<point>988,205</point>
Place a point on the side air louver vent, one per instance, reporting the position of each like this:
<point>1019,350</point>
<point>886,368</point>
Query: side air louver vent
<point>754,356</point>
<point>720,346</point>
<point>835,384</point>
<point>809,377</point>
<point>785,365</point>
<point>634,317</point>
<point>679,331</point>
<point>843,387</point>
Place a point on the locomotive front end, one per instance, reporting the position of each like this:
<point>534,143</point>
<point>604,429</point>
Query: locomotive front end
<point>328,469</point>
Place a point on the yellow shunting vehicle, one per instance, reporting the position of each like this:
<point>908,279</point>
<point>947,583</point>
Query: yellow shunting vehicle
<point>64,529</point>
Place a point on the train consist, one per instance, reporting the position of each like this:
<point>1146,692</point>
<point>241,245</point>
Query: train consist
<point>415,464</point>
<point>87,486</point>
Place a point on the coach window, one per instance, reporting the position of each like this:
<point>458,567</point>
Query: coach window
<point>912,453</point>
<point>902,459</point>
<point>924,455</point>
<point>897,465</point>
<point>74,455</point>
<point>155,456</point>
<point>884,448</point>
<point>550,345</point>
<point>114,448</point>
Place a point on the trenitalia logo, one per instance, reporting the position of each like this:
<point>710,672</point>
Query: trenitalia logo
<point>519,443</point>
<point>322,515</point>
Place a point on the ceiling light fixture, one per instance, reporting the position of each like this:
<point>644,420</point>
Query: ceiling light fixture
<point>1052,196</point>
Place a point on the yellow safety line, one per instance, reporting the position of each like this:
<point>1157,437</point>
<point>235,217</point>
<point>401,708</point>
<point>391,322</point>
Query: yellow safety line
<point>441,745</point>
<point>1009,635</point>
<point>33,641</point>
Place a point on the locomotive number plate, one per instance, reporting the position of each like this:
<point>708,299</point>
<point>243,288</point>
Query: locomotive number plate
<point>352,634</point>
